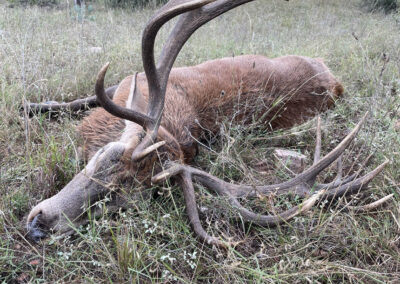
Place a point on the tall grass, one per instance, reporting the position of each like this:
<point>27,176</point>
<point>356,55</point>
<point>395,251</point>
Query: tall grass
<point>46,54</point>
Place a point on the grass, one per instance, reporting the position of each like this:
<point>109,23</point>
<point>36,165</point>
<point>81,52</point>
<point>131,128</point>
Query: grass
<point>46,54</point>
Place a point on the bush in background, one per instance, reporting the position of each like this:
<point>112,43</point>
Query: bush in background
<point>384,5</point>
<point>41,3</point>
<point>132,3</point>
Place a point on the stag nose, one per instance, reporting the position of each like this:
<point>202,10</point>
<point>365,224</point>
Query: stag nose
<point>36,229</point>
<point>41,219</point>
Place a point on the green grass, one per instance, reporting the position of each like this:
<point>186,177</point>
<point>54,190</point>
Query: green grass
<point>45,54</point>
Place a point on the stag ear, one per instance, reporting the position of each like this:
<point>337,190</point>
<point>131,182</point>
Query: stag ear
<point>136,100</point>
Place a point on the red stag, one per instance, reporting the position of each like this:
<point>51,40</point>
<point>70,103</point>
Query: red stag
<point>156,118</point>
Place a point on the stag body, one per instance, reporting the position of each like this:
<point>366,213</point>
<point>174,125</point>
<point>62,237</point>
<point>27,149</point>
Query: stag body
<point>282,91</point>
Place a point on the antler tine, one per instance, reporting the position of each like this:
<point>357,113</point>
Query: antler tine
<point>371,206</point>
<point>273,220</point>
<point>112,107</point>
<point>339,167</point>
<point>167,12</point>
<point>317,167</point>
<point>355,185</point>
<point>310,174</point>
<point>317,154</point>
<point>193,214</point>
<point>338,180</point>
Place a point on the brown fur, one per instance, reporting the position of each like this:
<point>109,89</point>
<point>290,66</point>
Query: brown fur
<point>279,92</point>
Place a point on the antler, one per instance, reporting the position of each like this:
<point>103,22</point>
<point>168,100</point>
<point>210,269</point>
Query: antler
<point>195,13</point>
<point>303,184</point>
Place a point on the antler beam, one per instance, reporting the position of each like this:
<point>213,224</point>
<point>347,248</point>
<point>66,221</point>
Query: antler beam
<point>305,181</point>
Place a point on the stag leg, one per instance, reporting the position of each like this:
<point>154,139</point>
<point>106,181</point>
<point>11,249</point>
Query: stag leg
<point>305,181</point>
<point>74,106</point>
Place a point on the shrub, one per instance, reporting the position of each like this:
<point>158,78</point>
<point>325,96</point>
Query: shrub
<point>132,3</point>
<point>384,5</point>
<point>41,3</point>
<point>108,3</point>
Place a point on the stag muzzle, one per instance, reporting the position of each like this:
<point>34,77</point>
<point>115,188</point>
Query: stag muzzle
<point>67,209</point>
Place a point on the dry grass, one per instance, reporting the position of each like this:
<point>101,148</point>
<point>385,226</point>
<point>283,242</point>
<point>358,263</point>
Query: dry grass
<point>46,54</point>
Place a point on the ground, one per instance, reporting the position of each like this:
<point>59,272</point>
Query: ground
<point>52,54</point>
